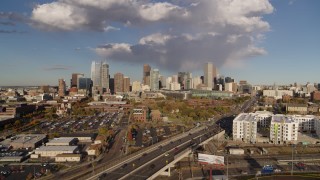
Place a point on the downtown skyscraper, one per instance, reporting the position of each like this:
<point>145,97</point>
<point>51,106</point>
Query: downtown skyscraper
<point>154,79</point>
<point>146,74</point>
<point>208,75</point>
<point>100,77</point>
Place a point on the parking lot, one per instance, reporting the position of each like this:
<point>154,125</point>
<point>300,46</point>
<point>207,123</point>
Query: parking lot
<point>13,172</point>
<point>82,124</point>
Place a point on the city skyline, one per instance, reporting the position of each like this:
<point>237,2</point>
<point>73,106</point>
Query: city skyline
<point>271,41</point>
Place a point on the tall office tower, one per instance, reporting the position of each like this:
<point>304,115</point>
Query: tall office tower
<point>118,82</point>
<point>84,83</point>
<point>162,82</point>
<point>96,73</point>
<point>105,77</point>
<point>74,79</point>
<point>208,75</point>
<point>126,84</point>
<point>111,85</point>
<point>184,78</point>
<point>62,87</point>
<point>100,76</point>
<point>146,74</point>
<point>154,80</point>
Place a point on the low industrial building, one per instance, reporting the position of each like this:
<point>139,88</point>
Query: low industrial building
<point>28,140</point>
<point>66,141</point>
<point>68,158</point>
<point>53,151</point>
<point>94,150</point>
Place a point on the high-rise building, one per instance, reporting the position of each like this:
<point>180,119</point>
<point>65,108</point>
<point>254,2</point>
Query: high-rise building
<point>146,74</point>
<point>208,75</point>
<point>185,79</point>
<point>111,85</point>
<point>100,76</point>
<point>74,79</point>
<point>126,84</point>
<point>175,78</point>
<point>118,83</point>
<point>62,87</point>
<point>84,83</point>
<point>154,79</point>
<point>162,82</point>
<point>196,82</point>
<point>214,72</point>
<point>96,73</point>
<point>105,77</point>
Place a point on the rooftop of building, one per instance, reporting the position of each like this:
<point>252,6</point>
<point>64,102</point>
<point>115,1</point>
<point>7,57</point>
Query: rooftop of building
<point>28,138</point>
<point>68,155</point>
<point>57,148</point>
<point>280,118</point>
<point>78,135</point>
<point>62,140</point>
<point>245,117</point>
<point>268,113</point>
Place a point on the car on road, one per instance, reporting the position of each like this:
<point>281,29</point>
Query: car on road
<point>124,166</point>
<point>166,154</point>
<point>301,166</point>
<point>144,154</point>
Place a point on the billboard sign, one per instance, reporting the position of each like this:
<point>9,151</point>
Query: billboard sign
<point>210,159</point>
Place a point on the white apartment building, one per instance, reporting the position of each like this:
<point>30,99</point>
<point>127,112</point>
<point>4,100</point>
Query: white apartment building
<point>283,129</point>
<point>245,127</point>
<point>263,118</point>
<point>306,122</point>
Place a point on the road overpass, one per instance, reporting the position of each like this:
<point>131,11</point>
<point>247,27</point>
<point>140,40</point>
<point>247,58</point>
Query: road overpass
<point>158,159</point>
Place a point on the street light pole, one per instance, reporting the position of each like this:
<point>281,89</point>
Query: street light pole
<point>227,167</point>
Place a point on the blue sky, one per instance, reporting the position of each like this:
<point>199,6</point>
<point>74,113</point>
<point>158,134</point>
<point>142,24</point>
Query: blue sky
<point>42,41</point>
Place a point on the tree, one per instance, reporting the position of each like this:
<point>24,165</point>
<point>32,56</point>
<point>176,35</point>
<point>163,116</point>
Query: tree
<point>29,176</point>
<point>103,131</point>
<point>17,123</point>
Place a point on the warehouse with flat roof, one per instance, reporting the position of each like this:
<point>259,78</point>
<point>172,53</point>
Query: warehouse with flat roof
<point>65,141</point>
<point>53,151</point>
<point>28,140</point>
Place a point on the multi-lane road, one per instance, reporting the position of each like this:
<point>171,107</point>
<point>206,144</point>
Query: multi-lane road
<point>147,164</point>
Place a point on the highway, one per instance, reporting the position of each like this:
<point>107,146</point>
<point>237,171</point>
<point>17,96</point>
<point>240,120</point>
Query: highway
<point>149,163</point>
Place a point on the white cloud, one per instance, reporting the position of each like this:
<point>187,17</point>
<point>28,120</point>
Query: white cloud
<point>162,10</point>
<point>58,15</point>
<point>191,32</point>
<point>111,28</point>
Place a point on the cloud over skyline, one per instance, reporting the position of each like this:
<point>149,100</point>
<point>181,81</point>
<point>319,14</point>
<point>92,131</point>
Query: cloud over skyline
<point>193,32</point>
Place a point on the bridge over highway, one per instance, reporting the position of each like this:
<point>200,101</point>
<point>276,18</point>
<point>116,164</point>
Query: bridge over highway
<point>159,159</point>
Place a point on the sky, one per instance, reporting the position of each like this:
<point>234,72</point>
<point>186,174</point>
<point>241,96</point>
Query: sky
<point>261,41</point>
